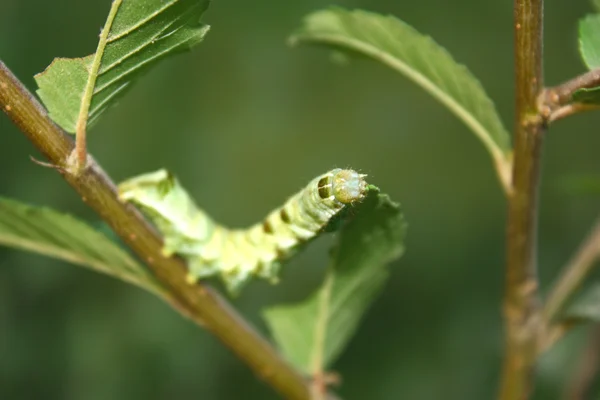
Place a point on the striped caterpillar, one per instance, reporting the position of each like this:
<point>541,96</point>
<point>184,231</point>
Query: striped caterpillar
<point>238,254</point>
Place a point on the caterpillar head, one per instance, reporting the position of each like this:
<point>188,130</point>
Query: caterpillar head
<point>348,186</point>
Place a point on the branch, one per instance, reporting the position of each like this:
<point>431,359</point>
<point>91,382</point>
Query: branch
<point>557,102</point>
<point>521,304</point>
<point>200,303</point>
<point>573,274</point>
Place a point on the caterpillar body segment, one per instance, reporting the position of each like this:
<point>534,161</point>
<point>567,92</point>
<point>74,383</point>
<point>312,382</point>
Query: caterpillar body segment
<point>184,226</point>
<point>238,254</point>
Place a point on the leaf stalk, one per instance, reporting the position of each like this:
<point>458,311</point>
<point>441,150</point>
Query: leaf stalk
<point>79,160</point>
<point>574,273</point>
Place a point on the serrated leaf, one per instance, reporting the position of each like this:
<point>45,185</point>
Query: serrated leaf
<point>399,46</point>
<point>143,32</point>
<point>313,333</point>
<point>589,40</point>
<point>48,232</point>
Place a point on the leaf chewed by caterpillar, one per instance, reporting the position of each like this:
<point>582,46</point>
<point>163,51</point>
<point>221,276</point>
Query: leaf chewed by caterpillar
<point>238,254</point>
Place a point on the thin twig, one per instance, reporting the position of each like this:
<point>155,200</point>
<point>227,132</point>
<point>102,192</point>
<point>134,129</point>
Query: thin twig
<point>563,93</point>
<point>553,333</point>
<point>521,304</point>
<point>571,109</point>
<point>81,126</point>
<point>573,273</point>
<point>557,102</point>
<point>200,303</point>
<point>572,276</point>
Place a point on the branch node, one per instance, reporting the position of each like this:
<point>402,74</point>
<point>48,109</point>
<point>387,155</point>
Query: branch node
<point>557,102</point>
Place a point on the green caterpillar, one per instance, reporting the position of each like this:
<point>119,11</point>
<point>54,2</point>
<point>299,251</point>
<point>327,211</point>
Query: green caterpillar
<point>239,254</point>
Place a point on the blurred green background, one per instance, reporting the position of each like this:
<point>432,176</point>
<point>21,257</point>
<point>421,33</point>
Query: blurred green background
<point>244,121</point>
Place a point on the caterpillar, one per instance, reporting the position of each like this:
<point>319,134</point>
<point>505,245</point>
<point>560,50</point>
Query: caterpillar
<point>238,254</point>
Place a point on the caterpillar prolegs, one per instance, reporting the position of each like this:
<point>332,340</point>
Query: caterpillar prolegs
<point>239,254</point>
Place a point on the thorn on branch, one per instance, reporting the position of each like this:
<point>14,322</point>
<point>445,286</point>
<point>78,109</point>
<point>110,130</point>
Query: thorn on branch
<point>47,164</point>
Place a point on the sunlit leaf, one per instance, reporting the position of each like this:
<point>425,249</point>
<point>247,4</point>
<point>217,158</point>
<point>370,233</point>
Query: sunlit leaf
<point>48,232</point>
<point>397,45</point>
<point>313,333</point>
<point>143,32</point>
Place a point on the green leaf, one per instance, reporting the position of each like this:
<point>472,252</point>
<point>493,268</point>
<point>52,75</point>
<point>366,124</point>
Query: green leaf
<point>586,305</point>
<point>143,32</point>
<point>314,332</point>
<point>48,232</point>
<point>587,95</point>
<point>589,40</point>
<point>397,45</point>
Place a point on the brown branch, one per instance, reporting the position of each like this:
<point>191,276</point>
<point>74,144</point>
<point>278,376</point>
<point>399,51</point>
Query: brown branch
<point>521,304</point>
<point>552,334</point>
<point>571,109</point>
<point>563,93</point>
<point>198,302</point>
<point>557,102</point>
